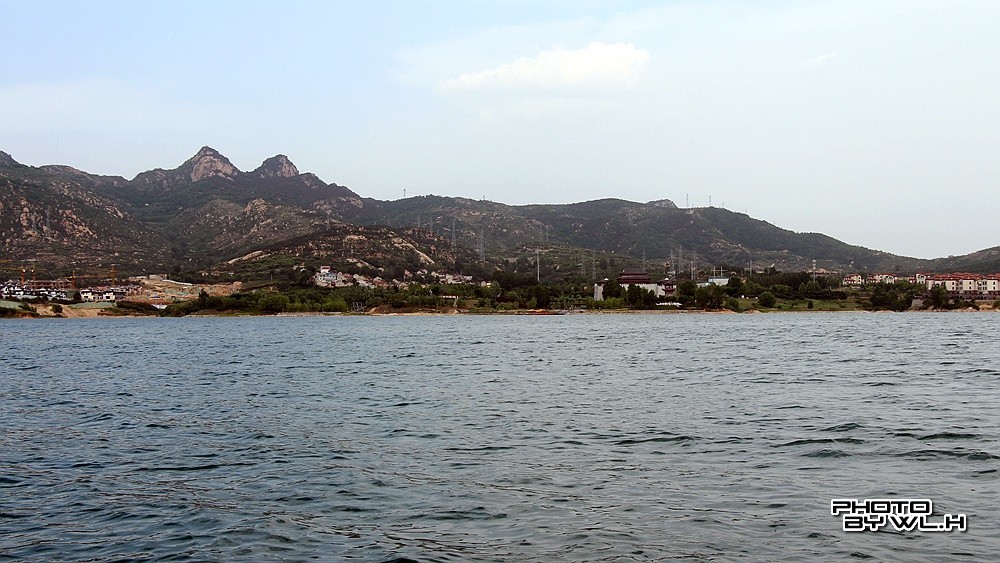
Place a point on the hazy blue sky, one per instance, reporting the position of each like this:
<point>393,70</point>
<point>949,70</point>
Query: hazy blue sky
<point>877,123</point>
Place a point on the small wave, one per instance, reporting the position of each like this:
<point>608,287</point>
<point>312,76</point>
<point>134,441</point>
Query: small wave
<point>946,454</point>
<point>842,427</point>
<point>820,441</point>
<point>480,449</point>
<point>677,438</point>
<point>949,436</point>
<point>827,453</point>
<point>205,467</point>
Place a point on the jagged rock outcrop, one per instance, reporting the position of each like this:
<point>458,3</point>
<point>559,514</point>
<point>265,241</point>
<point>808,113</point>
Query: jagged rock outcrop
<point>206,163</point>
<point>209,163</point>
<point>277,166</point>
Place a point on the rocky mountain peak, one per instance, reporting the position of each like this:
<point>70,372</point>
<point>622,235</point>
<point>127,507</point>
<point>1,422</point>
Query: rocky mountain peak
<point>278,166</point>
<point>7,160</point>
<point>207,163</point>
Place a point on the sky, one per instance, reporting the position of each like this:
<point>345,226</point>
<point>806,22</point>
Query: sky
<point>877,123</point>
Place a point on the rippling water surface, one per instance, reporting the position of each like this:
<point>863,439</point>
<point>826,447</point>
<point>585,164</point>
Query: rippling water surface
<point>603,437</point>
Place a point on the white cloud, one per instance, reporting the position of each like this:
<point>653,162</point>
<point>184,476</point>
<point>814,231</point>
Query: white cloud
<point>597,64</point>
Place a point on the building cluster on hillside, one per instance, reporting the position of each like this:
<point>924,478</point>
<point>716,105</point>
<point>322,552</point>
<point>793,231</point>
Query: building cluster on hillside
<point>327,277</point>
<point>63,290</point>
<point>54,290</point>
<point>962,284</point>
<point>109,293</point>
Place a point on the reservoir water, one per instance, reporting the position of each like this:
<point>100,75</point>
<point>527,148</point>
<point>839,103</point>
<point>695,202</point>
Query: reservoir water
<point>456,438</point>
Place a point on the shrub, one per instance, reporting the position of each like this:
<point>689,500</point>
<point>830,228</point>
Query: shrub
<point>274,303</point>
<point>767,299</point>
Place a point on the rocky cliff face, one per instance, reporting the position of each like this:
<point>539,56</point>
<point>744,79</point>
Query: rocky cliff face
<point>276,167</point>
<point>53,217</point>
<point>206,163</point>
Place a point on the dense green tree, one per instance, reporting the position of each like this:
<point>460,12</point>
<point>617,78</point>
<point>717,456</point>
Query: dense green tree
<point>274,303</point>
<point>752,289</point>
<point>687,288</point>
<point>895,297</point>
<point>938,297</point>
<point>813,289</point>
<point>613,291</point>
<point>783,291</point>
<point>735,287</point>
<point>767,299</point>
<point>710,297</point>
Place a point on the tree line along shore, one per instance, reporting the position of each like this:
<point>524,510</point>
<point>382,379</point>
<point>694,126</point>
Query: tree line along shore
<point>513,292</point>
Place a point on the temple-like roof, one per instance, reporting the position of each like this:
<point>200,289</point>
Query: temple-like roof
<point>634,275</point>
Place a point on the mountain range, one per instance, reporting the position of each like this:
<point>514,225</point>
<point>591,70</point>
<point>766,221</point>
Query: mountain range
<point>207,214</point>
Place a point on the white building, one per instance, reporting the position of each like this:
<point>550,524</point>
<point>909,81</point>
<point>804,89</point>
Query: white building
<point>637,277</point>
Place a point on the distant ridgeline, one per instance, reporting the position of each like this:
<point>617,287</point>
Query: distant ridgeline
<point>208,216</point>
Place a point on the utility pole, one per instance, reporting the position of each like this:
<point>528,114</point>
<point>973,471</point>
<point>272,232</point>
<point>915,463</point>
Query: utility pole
<point>538,267</point>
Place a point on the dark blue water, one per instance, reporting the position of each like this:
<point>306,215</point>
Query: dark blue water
<point>605,437</point>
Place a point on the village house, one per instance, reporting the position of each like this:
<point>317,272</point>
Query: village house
<point>882,278</point>
<point>854,279</point>
<point>326,277</point>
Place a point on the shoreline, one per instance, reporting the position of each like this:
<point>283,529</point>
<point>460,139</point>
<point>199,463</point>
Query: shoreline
<point>96,313</point>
